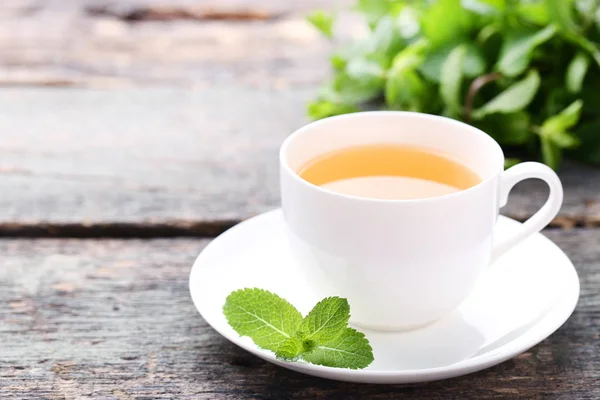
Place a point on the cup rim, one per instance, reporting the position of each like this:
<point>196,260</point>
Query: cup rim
<point>284,165</point>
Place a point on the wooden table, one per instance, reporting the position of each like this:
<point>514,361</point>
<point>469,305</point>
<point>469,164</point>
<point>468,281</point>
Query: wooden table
<point>130,134</point>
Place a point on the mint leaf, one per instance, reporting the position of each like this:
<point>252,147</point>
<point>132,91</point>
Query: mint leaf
<point>551,153</point>
<point>265,317</point>
<point>290,349</point>
<point>473,65</point>
<point>566,119</point>
<point>589,136</point>
<point>321,338</point>
<point>561,13</point>
<point>445,21</point>
<point>322,21</point>
<point>554,129</point>
<point>507,129</point>
<point>516,51</point>
<point>564,140</point>
<point>535,12</point>
<point>405,89</point>
<point>576,72</point>
<point>515,98</point>
<point>326,320</point>
<point>324,108</point>
<point>451,79</point>
<point>510,162</point>
<point>373,10</point>
<point>349,350</point>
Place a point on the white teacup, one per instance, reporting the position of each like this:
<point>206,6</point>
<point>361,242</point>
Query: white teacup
<point>402,263</point>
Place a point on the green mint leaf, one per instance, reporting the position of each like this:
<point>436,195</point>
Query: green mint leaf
<point>535,12</point>
<point>366,69</point>
<point>385,39</point>
<point>510,162</point>
<point>515,98</point>
<point>404,88</point>
<point>373,10</point>
<point>473,65</point>
<point>555,128</point>
<point>322,21</point>
<point>451,79</point>
<point>324,108</point>
<point>445,21</point>
<point>576,72</point>
<point>265,317</point>
<point>551,153</point>
<point>564,140</point>
<point>290,349</point>
<point>326,320</point>
<point>507,129</point>
<point>589,149</point>
<point>561,12</point>
<point>485,7</point>
<point>517,49</point>
<point>566,119</point>
<point>351,350</point>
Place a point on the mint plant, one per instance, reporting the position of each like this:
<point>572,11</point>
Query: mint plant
<point>322,337</point>
<point>527,72</point>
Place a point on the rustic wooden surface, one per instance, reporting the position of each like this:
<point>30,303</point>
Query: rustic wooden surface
<point>184,159</point>
<point>113,319</point>
<point>162,118</point>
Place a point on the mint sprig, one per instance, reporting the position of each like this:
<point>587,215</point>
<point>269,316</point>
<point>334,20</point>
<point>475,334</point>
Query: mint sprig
<point>511,68</point>
<point>322,337</point>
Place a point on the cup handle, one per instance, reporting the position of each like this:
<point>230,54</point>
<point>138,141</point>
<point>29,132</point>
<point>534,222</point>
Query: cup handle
<point>540,219</point>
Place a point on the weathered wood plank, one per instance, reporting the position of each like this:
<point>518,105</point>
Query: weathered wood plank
<point>175,157</point>
<point>113,319</point>
<point>178,43</point>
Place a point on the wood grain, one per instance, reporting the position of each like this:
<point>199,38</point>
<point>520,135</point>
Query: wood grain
<point>108,44</point>
<point>177,157</point>
<point>113,319</point>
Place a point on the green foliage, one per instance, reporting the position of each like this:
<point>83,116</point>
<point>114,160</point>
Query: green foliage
<point>527,72</point>
<point>322,21</point>
<point>322,337</point>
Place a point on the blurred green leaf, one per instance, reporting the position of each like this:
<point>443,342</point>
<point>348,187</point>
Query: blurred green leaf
<point>473,66</point>
<point>535,12</point>
<point>561,12</point>
<point>507,129</point>
<point>551,153</point>
<point>365,69</point>
<point>405,89</point>
<point>357,90</point>
<point>589,148</point>
<point>386,39</point>
<point>566,119</point>
<point>338,63</point>
<point>515,55</point>
<point>323,21</point>
<point>323,108</point>
<point>564,140</point>
<point>485,7</point>
<point>515,98</point>
<point>451,79</point>
<point>446,21</point>
<point>510,162</point>
<point>522,68</point>
<point>373,10</point>
<point>576,72</point>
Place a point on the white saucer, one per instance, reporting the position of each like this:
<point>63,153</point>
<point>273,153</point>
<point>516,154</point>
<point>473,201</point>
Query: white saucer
<point>527,294</point>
